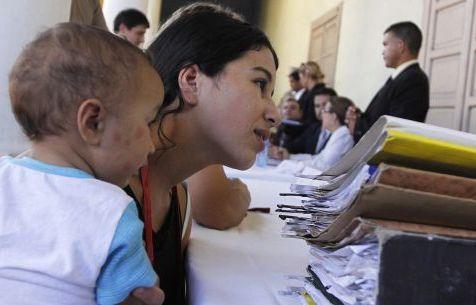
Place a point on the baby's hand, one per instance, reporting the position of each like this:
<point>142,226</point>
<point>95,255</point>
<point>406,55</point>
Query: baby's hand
<point>148,296</point>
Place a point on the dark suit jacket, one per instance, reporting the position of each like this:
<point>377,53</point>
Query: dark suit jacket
<point>287,133</point>
<point>307,142</point>
<point>306,102</point>
<point>407,96</point>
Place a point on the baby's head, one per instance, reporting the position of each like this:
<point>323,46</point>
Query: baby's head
<point>94,93</point>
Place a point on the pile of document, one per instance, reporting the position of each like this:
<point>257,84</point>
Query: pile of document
<point>400,172</point>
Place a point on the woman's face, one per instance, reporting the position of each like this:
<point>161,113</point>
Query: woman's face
<point>237,110</point>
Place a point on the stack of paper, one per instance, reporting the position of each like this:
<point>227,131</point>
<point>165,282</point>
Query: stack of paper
<point>401,171</point>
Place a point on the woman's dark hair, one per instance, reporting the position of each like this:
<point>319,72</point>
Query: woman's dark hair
<point>339,105</point>
<point>202,34</point>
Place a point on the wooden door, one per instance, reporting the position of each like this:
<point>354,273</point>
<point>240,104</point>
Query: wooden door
<point>325,41</point>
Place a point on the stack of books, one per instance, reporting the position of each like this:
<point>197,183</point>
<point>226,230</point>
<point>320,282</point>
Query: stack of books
<point>393,221</point>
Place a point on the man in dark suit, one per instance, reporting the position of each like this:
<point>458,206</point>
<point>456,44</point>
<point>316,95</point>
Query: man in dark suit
<point>406,92</point>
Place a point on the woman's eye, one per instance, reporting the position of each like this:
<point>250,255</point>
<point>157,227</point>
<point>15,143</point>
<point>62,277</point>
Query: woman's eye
<point>262,84</point>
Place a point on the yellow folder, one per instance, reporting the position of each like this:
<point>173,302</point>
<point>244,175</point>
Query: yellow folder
<point>407,149</point>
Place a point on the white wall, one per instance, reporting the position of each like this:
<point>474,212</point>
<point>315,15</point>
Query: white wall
<point>20,21</point>
<point>360,69</point>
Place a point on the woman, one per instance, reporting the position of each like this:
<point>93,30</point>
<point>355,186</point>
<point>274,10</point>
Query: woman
<point>340,141</point>
<point>219,75</point>
<point>312,80</point>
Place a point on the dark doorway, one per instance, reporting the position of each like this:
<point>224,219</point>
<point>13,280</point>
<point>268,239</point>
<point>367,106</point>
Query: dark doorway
<point>250,9</point>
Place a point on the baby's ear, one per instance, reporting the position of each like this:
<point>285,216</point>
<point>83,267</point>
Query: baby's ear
<point>90,121</point>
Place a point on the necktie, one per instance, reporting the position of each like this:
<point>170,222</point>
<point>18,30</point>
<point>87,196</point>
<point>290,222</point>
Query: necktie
<point>324,136</point>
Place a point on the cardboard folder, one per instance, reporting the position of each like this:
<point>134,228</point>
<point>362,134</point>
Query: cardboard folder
<point>398,204</point>
<point>425,181</point>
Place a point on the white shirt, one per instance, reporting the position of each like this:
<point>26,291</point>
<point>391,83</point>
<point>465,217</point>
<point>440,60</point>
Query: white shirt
<point>402,67</point>
<point>340,142</point>
<point>323,136</point>
<point>57,228</point>
<point>298,94</point>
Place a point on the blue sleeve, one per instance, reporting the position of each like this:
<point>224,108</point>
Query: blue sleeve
<point>127,266</point>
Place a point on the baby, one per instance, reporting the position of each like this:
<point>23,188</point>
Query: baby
<point>87,100</point>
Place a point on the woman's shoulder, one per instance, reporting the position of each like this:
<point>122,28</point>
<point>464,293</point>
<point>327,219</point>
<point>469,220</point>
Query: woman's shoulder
<point>343,134</point>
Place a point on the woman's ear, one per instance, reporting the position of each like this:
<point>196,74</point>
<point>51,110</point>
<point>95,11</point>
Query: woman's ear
<point>90,120</point>
<point>187,82</point>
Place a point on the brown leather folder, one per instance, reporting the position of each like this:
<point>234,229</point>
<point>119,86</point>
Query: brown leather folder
<point>425,181</point>
<point>398,204</point>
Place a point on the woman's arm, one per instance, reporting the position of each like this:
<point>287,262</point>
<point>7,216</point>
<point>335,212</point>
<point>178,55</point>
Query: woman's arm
<point>218,202</point>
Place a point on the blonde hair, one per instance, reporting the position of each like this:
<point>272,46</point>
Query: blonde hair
<point>312,69</point>
<point>287,96</point>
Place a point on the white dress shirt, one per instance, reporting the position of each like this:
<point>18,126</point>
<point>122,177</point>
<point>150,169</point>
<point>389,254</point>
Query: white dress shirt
<point>298,94</point>
<point>402,67</point>
<point>322,141</point>
<point>339,143</point>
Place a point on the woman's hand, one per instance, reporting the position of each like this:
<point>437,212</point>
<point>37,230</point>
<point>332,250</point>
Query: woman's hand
<point>278,153</point>
<point>351,116</point>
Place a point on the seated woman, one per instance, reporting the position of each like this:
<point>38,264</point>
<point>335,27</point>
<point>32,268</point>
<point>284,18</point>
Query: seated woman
<point>219,73</point>
<point>333,147</point>
<point>340,140</point>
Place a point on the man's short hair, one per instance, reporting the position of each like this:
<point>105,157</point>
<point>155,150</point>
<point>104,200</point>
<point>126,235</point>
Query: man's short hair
<point>65,65</point>
<point>294,74</point>
<point>326,91</point>
<point>409,33</point>
<point>130,18</point>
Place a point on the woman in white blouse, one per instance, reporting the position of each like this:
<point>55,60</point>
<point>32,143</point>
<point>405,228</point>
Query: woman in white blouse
<point>340,140</point>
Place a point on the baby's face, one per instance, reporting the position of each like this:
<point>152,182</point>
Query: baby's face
<point>132,132</point>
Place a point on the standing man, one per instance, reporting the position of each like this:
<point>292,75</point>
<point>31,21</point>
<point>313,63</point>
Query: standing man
<point>295,83</point>
<point>131,25</point>
<point>406,92</point>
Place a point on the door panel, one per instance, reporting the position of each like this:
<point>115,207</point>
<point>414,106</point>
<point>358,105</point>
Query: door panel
<point>324,43</point>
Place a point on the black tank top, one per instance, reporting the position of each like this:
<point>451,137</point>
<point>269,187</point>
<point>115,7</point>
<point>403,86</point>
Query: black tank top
<point>168,259</point>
